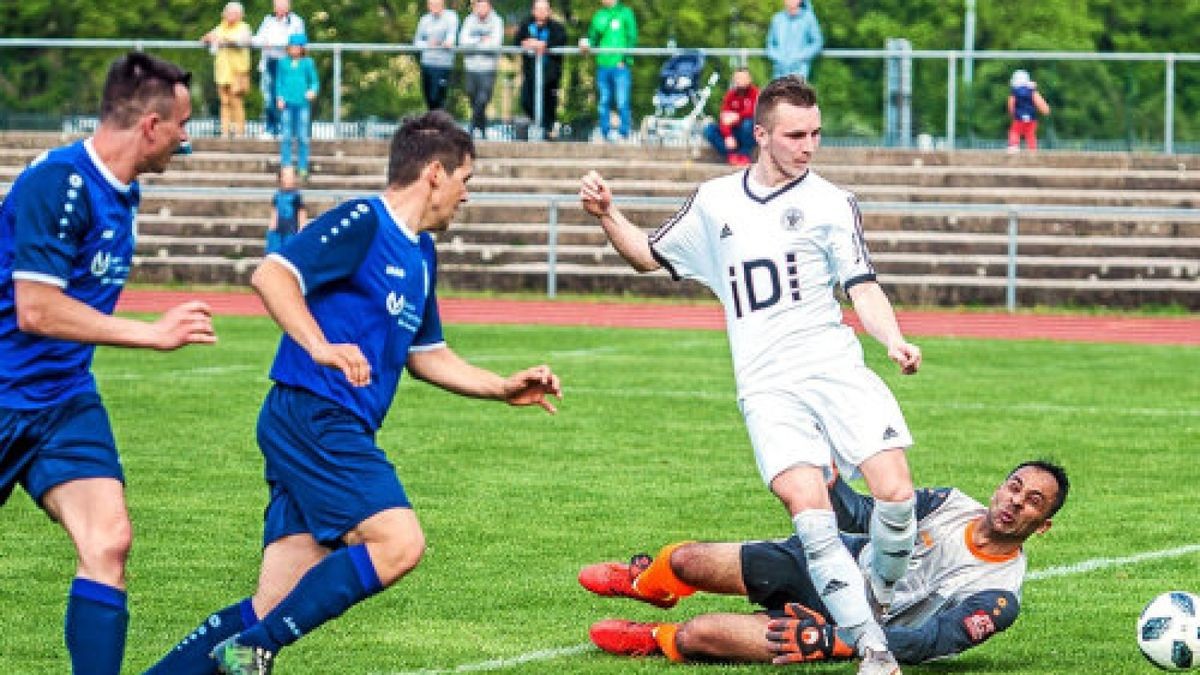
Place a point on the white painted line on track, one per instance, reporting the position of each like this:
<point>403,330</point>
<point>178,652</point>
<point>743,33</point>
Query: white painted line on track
<point>1082,567</point>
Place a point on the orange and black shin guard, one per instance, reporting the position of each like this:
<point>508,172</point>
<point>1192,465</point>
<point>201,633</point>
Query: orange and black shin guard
<point>659,580</point>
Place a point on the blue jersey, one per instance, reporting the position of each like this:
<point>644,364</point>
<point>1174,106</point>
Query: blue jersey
<point>1024,109</point>
<point>367,280</point>
<point>68,222</point>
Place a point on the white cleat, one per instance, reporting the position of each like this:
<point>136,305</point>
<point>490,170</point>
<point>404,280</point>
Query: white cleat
<point>878,663</point>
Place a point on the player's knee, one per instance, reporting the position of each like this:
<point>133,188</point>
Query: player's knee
<point>104,550</point>
<point>398,555</point>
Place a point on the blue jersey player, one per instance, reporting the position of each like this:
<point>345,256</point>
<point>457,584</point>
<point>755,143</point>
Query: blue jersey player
<point>66,242</point>
<point>354,294</point>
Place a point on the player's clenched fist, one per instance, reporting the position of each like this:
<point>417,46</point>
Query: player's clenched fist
<point>189,323</point>
<point>347,358</point>
<point>595,195</point>
<point>798,634</point>
<point>531,386</point>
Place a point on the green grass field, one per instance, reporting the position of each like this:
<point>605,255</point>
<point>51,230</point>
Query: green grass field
<point>648,448</point>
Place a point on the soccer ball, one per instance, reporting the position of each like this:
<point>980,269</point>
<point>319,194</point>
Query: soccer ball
<point>1168,631</point>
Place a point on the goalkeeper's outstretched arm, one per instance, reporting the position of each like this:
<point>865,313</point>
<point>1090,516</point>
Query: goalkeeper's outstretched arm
<point>955,630</point>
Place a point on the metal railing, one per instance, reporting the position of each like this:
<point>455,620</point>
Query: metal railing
<point>555,203</point>
<point>1169,61</point>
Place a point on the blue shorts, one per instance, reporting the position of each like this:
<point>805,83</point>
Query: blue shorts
<point>44,448</point>
<point>324,471</point>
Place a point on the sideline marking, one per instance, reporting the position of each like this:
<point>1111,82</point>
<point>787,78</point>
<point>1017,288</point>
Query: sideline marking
<point>1037,575</point>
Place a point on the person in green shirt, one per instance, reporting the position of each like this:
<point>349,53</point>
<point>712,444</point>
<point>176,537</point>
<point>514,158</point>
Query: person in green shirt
<point>613,26</point>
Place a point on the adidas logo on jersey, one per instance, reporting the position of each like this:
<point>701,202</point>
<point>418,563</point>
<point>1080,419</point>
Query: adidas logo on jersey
<point>889,434</point>
<point>833,586</point>
<point>726,232</point>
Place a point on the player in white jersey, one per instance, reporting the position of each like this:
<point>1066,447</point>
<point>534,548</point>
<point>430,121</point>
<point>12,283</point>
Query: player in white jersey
<point>772,242</point>
<point>962,586</point>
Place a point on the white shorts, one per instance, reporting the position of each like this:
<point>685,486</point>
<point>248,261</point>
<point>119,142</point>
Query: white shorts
<point>826,419</point>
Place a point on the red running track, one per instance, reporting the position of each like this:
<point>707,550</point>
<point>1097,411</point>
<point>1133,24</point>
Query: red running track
<point>1139,330</point>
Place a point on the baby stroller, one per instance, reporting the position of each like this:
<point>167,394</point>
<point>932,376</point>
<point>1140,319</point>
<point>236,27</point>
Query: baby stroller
<point>679,102</point>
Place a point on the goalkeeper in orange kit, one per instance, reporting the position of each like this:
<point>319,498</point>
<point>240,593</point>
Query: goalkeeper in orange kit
<point>962,585</point>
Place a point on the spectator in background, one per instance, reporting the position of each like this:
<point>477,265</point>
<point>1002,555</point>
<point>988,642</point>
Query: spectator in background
<point>230,45</point>
<point>536,34</point>
<point>296,87</point>
<point>483,30</point>
<point>288,213</point>
<point>436,33</point>
<point>272,37</point>
<point>613,26</point>
<point>732,135</point>
<point>794,39</point>
<point>1025,103</point>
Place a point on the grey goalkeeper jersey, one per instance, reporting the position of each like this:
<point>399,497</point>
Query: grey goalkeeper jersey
<point>953,595</point>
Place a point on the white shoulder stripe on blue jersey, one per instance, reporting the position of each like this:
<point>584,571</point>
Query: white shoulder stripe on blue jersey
<point>291,268</point>
<point>427,348</point>
<point>39,277</point>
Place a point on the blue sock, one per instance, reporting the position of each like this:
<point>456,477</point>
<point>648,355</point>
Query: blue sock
<point>332,586</point>
<point>95,626</point>
<point>190,656</point>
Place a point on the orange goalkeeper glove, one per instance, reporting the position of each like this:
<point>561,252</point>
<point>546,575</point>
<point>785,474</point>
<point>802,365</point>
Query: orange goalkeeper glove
<point>798,635</point>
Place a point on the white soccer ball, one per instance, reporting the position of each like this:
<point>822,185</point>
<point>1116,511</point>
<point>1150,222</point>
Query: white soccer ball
<point>1168,631</point>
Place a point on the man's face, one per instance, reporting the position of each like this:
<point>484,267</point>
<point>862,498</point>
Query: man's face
<point>791,5</point>
<point>1020,507</point>
<point>482,8</point>
<point>540,11</point>
<point>282,7</point>
<point>164,134</point>
<point>436,6</point>
<point>608,3</point>
<point>789,144</point>
<point>450,193</point>
<point>741,79</point>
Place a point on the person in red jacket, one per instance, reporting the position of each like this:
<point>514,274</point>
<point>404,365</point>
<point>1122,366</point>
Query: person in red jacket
<point>732,135</point>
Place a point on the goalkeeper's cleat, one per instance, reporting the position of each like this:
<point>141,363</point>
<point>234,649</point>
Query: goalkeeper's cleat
<point>237,659</point>
<point>878,663</point>
<point>625,638</point>
<point>612,579</point>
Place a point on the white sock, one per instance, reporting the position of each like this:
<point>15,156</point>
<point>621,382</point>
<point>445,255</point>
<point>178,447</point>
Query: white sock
<point>837,578</point>
<point>893,530</point>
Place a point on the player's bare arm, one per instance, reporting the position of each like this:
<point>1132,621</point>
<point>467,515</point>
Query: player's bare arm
<point>629,239</point>
<point>44,309</point>
<point>444,368</point>
<point>879,319</point>
<point>280,292</point>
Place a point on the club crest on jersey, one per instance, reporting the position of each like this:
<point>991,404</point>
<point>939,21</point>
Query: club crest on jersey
<point>395,303</point>
<point>100,263</point>
<point>792,220</point>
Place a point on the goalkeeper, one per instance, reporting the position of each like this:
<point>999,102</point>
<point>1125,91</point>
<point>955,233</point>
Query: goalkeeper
<point>962,586</point>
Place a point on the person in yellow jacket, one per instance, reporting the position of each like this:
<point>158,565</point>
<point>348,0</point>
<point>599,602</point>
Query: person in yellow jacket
<point>230,45</point>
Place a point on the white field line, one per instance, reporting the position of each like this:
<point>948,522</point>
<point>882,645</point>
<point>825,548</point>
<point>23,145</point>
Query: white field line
<point>1082,567</point>
<point>170,373</point>
<point>946,405</point>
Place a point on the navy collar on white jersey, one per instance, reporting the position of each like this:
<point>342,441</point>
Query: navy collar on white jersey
<point>108,175</point>
<point>763,200</point>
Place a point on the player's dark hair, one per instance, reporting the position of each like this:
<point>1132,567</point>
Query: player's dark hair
<point>138,83</point>
<point>421,140</point>
<point>791,89</point>
<point>1060,477</point>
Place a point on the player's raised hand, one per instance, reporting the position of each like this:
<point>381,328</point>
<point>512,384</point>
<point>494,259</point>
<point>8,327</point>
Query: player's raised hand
<point>907,355</point>
<point>530,387</point>
<point>347,358</point>
<point>595,195</point>
<point>185,324</point>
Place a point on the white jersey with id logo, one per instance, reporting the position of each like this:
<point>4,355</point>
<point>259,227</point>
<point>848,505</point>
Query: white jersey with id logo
<point>773,257</point>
